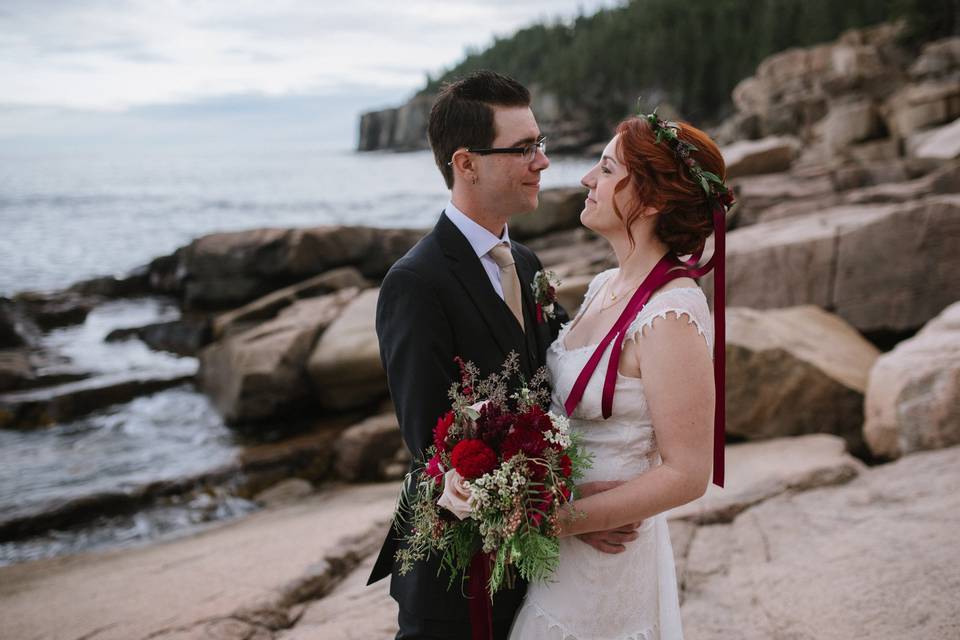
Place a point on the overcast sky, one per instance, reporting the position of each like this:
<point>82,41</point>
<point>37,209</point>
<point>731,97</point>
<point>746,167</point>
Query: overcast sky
<point>87,69</point>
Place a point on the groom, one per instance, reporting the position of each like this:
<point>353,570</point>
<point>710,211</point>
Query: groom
<point>463,290</point>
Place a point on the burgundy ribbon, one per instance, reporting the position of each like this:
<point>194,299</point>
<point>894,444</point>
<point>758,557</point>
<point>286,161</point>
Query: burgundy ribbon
<point>481,609</point>
<point>669,268</point>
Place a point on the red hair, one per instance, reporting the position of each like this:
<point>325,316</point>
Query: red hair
<point>660,180</point>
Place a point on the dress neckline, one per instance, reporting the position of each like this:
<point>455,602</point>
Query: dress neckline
<point>562,337</point>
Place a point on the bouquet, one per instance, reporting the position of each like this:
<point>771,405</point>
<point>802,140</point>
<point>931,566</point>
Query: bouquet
<point>498,471</point>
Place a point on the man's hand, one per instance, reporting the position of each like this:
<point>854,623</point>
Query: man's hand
<point>614,540</point>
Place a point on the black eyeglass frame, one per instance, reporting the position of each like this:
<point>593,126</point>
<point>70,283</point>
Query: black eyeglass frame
<point>540,145</point>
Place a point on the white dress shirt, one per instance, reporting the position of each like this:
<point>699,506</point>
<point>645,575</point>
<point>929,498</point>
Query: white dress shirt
<point>482,241</point>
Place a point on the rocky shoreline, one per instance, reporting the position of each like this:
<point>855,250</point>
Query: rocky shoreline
<point>843,406</point>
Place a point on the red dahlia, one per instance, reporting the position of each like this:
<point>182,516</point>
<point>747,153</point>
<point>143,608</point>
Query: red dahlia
<point>472,458</point>
<point>441,430</point>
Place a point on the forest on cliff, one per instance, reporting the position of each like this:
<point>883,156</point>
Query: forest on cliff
<point>689,54</point>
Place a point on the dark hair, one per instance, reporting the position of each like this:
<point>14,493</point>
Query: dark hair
<point>685,218</point>
<point>462,115</point>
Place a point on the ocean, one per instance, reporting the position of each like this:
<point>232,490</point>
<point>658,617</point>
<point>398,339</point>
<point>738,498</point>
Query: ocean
<point>67,215</point>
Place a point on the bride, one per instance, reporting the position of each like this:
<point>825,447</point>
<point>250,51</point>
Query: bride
<point>656,194</point>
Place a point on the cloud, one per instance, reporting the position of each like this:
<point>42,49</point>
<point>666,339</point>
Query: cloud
<point>114,55</point>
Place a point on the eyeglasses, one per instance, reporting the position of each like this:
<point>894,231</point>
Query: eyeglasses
<point>528,151</point>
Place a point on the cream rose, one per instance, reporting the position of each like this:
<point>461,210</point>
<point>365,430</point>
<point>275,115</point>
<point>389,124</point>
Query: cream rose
<point>456,496</point>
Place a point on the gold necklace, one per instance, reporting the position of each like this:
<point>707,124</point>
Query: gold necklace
<point>615,296</point>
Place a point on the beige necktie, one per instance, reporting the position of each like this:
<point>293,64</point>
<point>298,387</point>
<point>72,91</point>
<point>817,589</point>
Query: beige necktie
<point>509,280</point>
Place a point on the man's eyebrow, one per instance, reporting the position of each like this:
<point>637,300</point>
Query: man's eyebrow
<point>527,140</point>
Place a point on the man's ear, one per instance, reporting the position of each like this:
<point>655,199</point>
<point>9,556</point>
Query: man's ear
<point>463,165</point>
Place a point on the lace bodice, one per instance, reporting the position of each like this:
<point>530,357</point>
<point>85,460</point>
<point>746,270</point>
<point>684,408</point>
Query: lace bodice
<point>626,440</point>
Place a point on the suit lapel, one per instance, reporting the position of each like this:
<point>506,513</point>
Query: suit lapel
<point>466,267</point>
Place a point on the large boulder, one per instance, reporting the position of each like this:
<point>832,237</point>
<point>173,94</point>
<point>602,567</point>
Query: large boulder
<point>243,318</point>
<point>872,558</point>
<point>362,449</point>
<point>851,122</point>
<point>259,373</point>
<point>913,395</point>
<point>795,371</point>
<point>230,269</point>
<point>879,267</point>
<point>768,155</point>
<point>923,104</point>
<point>558,209</point>
<point>756,194</point>
<point>345,367</point>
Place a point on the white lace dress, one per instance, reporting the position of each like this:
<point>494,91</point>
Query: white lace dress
<point>630,595</point>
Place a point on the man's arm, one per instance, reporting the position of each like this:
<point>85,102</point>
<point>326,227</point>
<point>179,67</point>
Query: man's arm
<point>416,347</point>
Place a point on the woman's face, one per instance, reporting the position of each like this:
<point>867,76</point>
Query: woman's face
<point>598,212</point>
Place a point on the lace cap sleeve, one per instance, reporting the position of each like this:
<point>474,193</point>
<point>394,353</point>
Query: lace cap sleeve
<point>688,303</point>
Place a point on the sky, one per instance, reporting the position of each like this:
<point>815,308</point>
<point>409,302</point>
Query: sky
<point>115,71</point>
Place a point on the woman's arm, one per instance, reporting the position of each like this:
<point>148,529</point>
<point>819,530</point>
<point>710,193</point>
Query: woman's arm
<point>677,374</point>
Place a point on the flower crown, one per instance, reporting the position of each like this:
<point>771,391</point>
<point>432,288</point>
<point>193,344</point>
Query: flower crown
<point>712,185</point>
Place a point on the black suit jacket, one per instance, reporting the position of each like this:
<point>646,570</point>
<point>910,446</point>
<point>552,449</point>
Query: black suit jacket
<point>436,303</point>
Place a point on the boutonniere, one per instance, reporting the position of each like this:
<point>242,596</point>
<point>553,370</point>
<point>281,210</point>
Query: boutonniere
<point>544,287</point>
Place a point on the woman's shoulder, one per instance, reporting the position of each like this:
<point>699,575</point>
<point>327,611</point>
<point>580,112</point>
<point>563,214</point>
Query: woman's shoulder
<point>684,301</point>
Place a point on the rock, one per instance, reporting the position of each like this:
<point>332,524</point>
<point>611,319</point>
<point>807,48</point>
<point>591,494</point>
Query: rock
<point>12,330</point>
<point>758,471</point>
<point>942,143</point>
<point>921,105</point>
<point>885,150</point>
<point>352,611</point>
<point>260,373</point>
<point>795,371</point>
<point>185,336</point>
<point>913,395</point>
<point>257,571</point>
<point>574,252</point>
<point>851,122</point>
<point>937,58</point>
<point>16,371</point>
<point>801,558</point>
<point>876,264</point>
<point>559,209</point>
<point>230,269</point>
<point>768,155</point>
<point>56,309</point>
<point>859,261</point>
<point>238,320</point>
<point>135,284</point>
<point>946,179</point>
<point>758,193</point>
<point>47,406</point>
<point>345,367</point>
<point>401,128</point>
<point>386,247</point>
<point>285,492</point>
<point>362,449</point>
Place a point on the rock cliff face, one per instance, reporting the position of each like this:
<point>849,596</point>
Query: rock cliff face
<point>400,129</point>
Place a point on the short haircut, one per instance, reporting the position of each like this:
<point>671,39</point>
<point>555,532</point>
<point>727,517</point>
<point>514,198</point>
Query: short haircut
<point>462,115</point>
